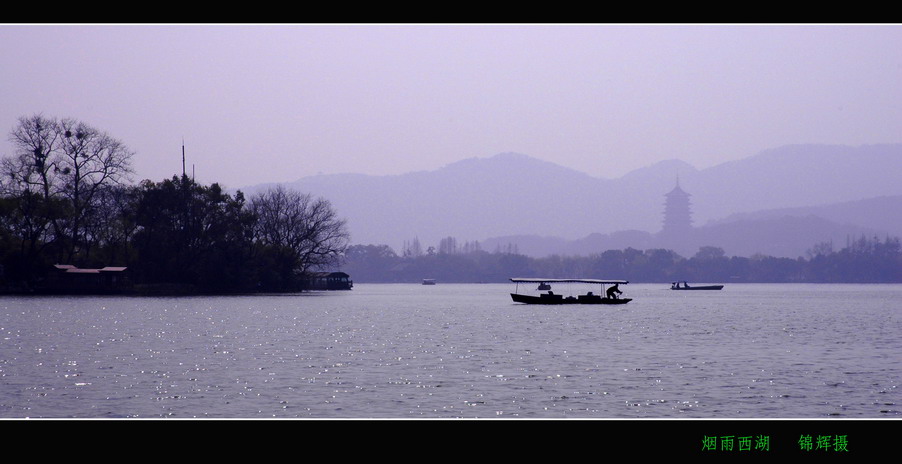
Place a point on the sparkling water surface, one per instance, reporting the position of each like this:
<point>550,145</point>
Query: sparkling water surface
<point>457,351</point>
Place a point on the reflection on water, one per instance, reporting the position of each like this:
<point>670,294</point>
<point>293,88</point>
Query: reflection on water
<point>444,351</point>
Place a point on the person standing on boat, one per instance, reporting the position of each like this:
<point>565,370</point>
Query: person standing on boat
<point>614,291</point>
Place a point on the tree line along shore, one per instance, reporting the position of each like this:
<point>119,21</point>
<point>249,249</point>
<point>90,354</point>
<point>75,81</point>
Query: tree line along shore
<point>72,219</point>
<point>862,260</point>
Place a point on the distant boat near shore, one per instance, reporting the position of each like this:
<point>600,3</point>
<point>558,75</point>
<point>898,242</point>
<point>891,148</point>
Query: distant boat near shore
<point>685,286</point>
<point>428,281</point>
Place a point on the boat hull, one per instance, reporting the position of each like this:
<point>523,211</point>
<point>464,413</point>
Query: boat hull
<point>703,287</point>
<point>559,300</point>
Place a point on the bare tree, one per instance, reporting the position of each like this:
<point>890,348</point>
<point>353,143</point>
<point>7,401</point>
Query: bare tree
<point>28,183</point>
<point>31,168</point>
<point>305,231</point>
<point>63,163</point>
<point>91,160</point>
<point>447,246</point>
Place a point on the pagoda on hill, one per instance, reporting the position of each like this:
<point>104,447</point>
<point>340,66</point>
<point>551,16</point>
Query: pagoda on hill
<point>677,214</point>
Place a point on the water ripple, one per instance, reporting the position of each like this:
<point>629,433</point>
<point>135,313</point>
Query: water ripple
<point>456,351</point>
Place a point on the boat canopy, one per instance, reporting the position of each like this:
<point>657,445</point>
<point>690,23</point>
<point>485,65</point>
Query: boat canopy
<point>550,281</point>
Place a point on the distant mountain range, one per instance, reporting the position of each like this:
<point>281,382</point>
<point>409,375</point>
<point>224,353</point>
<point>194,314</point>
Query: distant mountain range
<point>779,202</point>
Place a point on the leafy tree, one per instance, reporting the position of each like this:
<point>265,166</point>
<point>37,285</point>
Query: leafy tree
<point>709,253</point>
<point>370,262</point>
<point>193,234</point>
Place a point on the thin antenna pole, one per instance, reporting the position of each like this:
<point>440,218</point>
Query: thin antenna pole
<point>183,157</point>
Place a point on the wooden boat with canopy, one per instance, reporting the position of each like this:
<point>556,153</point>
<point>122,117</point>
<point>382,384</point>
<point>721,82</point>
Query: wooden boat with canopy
<point>606,296</point>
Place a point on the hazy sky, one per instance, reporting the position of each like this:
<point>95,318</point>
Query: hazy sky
<point>273,103</point>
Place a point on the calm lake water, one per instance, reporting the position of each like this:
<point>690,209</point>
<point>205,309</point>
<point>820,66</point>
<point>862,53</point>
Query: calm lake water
<point>457,351</point>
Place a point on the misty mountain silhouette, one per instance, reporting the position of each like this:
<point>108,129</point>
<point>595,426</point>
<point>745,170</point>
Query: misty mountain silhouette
<point>513,195</point>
